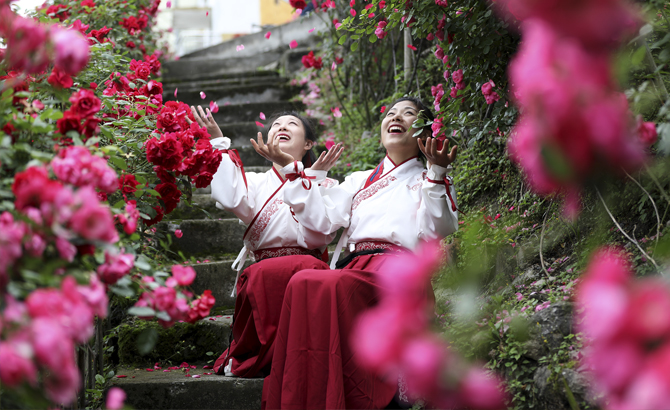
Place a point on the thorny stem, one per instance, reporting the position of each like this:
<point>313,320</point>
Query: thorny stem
<point>658,184</point>
<point>658,218</point>
<point>624,232</point>
<point>544,224</point>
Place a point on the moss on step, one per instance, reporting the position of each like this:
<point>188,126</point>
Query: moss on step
<point>183,342</point>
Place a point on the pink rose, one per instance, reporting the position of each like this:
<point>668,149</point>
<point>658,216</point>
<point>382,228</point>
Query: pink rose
<point>184,275</point>
<point>17,362</point>
<point>646,131</point>
<point>115,398</point>
<point>72,50</point>
<point>457,76</point>
<point>115,267</point>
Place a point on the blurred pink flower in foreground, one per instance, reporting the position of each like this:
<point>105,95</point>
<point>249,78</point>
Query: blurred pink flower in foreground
<point>394,338</point>
<point>115,398</point>
<point>627,326</point>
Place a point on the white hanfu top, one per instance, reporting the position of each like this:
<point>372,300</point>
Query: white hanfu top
<point>256,199</point>
<point>405,205</point>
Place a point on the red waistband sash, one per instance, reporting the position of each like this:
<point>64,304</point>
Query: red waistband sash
<point>386,246</point>
<point>261,254</point>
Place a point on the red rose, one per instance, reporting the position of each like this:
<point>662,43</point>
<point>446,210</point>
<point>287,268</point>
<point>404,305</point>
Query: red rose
<point>298,4</point>
<point>166,152</point>
<point>87,3</point>
<point>128,184</point>
<point>70,121</point>
<point>170,195</point>
<point>100,35</point>
<point>60,79</point>
<point>130,44</point>
<point>153,62</point>
<point>55,12</point>
<point>85,103</point>
<point>164,176</point>
<point>152,88</point>
<point>141,69</point>
<point>157,218</point>
<point>91,127</point>
<point>203,180</point>
<point>167,119</point>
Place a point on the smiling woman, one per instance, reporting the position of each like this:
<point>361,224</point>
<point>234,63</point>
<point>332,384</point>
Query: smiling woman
<point>385,211</point>
<point>280,246</point>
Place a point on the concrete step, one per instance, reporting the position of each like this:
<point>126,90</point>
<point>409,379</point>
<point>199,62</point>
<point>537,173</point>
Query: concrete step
<point>200,203</point>
<point>182,342</point>
<point>173,390</point>
<point>187,69</point>
<point>219,277</point>
<point>257,92</point>
<point>244,77</point>
<point>250,112</point>
<point>211,238</point>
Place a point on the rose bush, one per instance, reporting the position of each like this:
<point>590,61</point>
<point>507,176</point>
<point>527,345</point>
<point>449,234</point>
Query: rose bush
<point>79,187</point>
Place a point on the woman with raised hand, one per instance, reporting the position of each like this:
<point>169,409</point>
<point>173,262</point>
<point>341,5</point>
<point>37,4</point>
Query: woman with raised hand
<point>280,245</point>
<point>384,211</point>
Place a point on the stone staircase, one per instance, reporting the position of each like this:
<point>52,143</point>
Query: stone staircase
<point>243,86</point>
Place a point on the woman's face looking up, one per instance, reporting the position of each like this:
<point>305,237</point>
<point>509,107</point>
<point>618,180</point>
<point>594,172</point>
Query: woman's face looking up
<point>397,132</point>
<point>291,134</point>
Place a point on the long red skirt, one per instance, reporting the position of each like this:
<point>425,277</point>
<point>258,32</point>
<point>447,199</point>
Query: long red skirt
<point>260,291</point>
<point>313,366</point>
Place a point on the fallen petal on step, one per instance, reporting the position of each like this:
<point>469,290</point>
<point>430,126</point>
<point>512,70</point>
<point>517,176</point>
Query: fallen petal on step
<point>208,374</point>
<point>211,318</point>
<point>149,370</point>
<point>167,371</point>
<point>121,376</point>
<point>196,376</point>
<point>207,366</point>
<point>184,364</point>
<point>173,368</point>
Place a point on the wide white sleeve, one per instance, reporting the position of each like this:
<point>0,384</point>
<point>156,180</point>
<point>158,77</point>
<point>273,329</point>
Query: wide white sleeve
<point>322,208</point>
<point>438,214</point>
<point>229,187</point>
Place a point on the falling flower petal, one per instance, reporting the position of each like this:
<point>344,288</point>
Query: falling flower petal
<point>334,66</point>
<point>260,124</point>
<point>352,12</point>
<point>411,47</point>
<point>293,44</point>
<point>213,107</point>
<point>382,109</point>
<point>336,112</point>
<point>178,233</point>
<point>175,92</point>
<point>312,30</point>
<point>240,47</point>
<point>202,95</point>
<point>262,116</point>
<point>115,398</point>
<point>168,4</point>
<point>268,34</point>
<point>207,14</point>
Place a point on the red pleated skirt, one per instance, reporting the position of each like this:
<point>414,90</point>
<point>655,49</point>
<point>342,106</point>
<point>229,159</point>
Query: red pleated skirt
<point>260,292</point>
<point>313,366</point>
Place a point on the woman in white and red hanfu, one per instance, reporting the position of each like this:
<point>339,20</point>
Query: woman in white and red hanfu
<point>279,244</point>
<point>385,211</point>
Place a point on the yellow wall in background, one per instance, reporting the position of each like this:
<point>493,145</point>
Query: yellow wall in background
<point>275,12</point>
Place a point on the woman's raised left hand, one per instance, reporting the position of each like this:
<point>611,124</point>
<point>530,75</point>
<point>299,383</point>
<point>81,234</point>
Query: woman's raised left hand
<point>443,157</point>
<point>328,158</point>
<point>271,150</point>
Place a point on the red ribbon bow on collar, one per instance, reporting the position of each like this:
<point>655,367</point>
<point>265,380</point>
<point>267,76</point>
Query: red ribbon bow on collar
<point>306,183</point>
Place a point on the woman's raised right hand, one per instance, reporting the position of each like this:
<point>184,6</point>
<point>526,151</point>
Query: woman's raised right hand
<point>206,120</point>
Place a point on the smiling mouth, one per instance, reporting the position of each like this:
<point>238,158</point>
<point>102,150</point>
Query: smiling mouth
<point>283,137</point>
<point>396,129</point>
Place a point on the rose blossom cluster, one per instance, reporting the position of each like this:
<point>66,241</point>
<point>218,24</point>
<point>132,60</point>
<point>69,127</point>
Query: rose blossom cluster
<point>80,117</point>
<point>628,328</point>
<point>166,299</point>
<point>182,149</point>
<point>32,46</point>
<point>149,93</point>
<point>380,31</point>
<point>394,338</point>
<point>438,93</point>
<point>490,95</point>
<point>39,335</point>
<point>574,122</point>
<point>309,61</point>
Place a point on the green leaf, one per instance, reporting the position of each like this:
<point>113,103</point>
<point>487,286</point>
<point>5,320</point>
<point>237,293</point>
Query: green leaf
<point>343,39</point>
<point>146,341</point>
<point>638,55</point>
<point>99,379</point>
<point>354,46</point>
<point>119,162</point>
<point>373,38</point>
<point>141,311</point>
